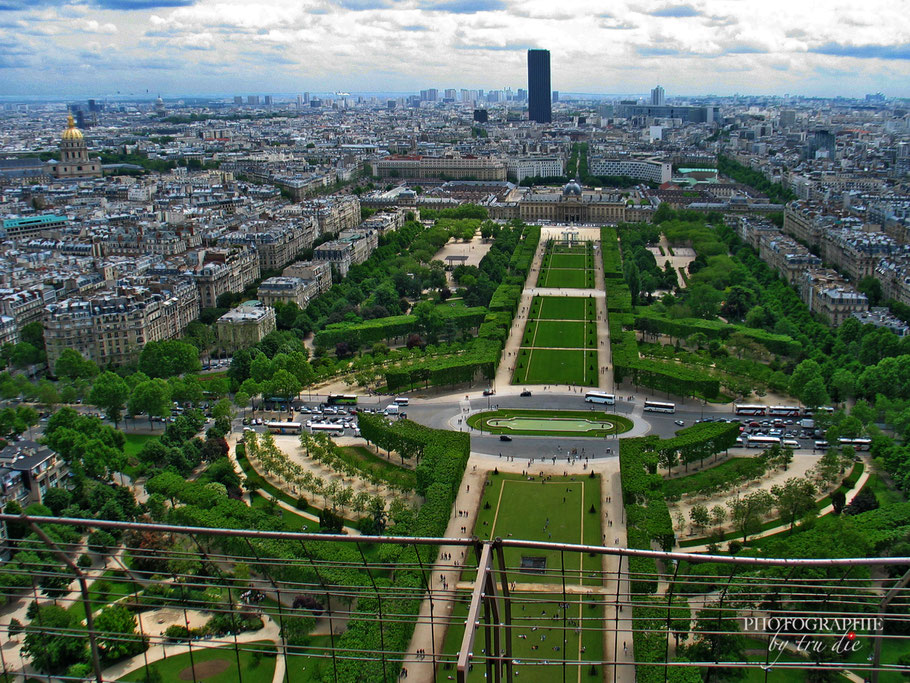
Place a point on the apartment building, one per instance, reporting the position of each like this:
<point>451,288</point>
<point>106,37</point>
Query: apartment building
<point>825,292</point>
<point>276,244</point>
<point>466,167</point>
<point>351,247</point>
<point>219,271</point>
<point>245,325</point>
<point>653,170</point>
<point>317,274</point>
<point>790,259</point>
<point>24,306</point>
<point>39,469</point>
<point>519,168</point>
<point>286,290</point>
<point>112,328</point>
<point>334,214</point>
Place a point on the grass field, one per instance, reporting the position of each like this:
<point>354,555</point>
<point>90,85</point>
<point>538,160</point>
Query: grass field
<point>621,424</point>
<point>555,510</point>
<point>566,277</point>
<point>135,442</point>
<point>549,366</point>
<point>574,260</point>
<point>562,308</point>
<point>251,669</point>
<point>536,637</point>
<point>563,335</point>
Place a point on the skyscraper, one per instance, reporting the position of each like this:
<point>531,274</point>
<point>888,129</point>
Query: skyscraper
<point>657,97</point>
<point>539,106</point>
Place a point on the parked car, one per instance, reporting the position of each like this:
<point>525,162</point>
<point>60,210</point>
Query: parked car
<point>488,392</point>
<point>505,437</point>
<point>678,422</point>
<point>525,393</point>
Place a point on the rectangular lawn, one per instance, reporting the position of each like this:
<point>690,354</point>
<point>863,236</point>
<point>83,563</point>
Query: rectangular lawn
<point>549,366</point>
<point>554,277</point>
<point>561,334</point>
<point>559,308</point>
<point>568,261</point>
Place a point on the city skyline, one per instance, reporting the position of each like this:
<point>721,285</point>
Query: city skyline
<point>177,47</point>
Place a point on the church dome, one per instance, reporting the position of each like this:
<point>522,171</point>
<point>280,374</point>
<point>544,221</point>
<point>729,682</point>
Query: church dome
<point>71,134</point>
<point>572,188</point>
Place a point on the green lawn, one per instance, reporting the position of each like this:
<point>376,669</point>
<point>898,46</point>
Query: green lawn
<point>535,635</point>
<point>251,668</point>
<point>567,335</point>
<point>557,510</point>
<point>549,366</point>
<point>112,586</point>
<point>135,442</point>
<point>575,260</point>
<point>562,308</point>
<point>622,424</point>
<point>292,520</point>
<point>555,277</point>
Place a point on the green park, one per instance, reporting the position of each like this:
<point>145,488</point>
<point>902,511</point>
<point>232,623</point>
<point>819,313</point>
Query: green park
<point>550,422</point>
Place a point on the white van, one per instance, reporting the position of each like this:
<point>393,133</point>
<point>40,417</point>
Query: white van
<point>791,443</point>
<point>402,401</point>
<point>391,410</point>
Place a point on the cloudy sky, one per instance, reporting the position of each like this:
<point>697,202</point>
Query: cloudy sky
<point>178,47</point>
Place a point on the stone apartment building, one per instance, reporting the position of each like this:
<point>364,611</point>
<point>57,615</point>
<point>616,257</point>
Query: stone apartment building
<point>24,306</point>
<point>245,325</point>
<point>466,167</point>
<point>334,214</point>
<point>219,271</point>
<point>351,247</point>
<point>317,274</point>
<point>785,255</point>
<point>112,328</point>
<point>277,245</point>
<point>825,292</point>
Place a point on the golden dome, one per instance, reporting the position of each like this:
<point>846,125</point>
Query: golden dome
<point>71,134</point>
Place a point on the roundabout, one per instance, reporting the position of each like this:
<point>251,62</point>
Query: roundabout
<point>578,423</point>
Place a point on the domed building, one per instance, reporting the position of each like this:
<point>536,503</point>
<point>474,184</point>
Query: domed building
<point>74,159</point>
<point>572,189</point>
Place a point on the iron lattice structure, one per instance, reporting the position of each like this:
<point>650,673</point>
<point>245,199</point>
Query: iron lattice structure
<point>473,626</point>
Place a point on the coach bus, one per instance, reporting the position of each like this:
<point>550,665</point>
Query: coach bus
<point>600,397</point>
<point>860,444</point>
<point>342,400</point>
<point>749,409</point>
<point>783,411</point>
<point>284,427</point>
<point>809,412</point>
<point>660,407</point>
<point>762,441</point>
<point>326,428</point>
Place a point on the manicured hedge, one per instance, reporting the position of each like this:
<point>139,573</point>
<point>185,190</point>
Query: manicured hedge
<point>681,328</point>
<point>385,329</point>
<point>609,245</point>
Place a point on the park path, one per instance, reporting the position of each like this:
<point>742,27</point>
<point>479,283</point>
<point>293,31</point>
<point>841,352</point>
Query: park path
<point>682,257</point>
<point>429,633</point>
<point>509,356</point>
<point>604,354</point>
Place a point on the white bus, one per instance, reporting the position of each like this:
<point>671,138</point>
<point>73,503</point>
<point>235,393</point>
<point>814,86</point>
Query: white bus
<point>283,427</point>
<point>860,444</point>
<point>749,409</point>
<point>660,407</point>
<point>600,397</point>
<point>326,428</point>
<point>762,441</point>
<point>784,411</point>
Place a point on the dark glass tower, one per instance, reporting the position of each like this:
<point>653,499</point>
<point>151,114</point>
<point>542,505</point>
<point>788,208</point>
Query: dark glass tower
<point>539,106</point>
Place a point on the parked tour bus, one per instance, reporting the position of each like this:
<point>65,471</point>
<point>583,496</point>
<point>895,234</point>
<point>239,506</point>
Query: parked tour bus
<point>326,428</point>
<point>600,397</point>
<point>762,441</point>
<point>783,411</point>
<point>749,409</point>
<point>660,407</point>
<point>859,444</point>
<point>341,400</point>
<point>283,427</point>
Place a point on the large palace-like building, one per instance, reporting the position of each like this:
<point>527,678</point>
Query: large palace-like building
<point>74,159</point>
<point>573,205</point>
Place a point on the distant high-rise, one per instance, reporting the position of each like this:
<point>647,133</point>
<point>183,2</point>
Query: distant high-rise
<point>539,105</point>
<point>658,98</point>
<point>555,96</point>
<point>238,99</point>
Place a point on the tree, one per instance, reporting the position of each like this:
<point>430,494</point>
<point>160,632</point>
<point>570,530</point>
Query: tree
<point>718,515</point>
<point>864,501</point>
<point>110,393</point>
<point>117,637</point>
<point>804,373</point>
<point>284,385</point>
<point>814,394</point>
<point>53,639</point>
<point>871,286</point>
<point>57,500</point>
<point>72,365</point>
<point>152,398</point>
<point>169,358</point>
<point>794,498</point>
<point>699,515</point>
<point>746,512</point>
<point>242,400</point>
<point>829,466</point>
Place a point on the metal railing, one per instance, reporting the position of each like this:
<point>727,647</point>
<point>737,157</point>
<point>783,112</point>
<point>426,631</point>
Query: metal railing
<point>509,607</point>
